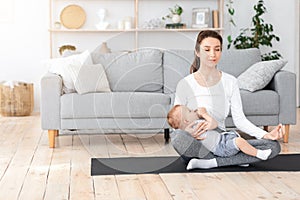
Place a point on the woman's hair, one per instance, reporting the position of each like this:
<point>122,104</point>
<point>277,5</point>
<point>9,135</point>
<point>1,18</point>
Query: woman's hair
<point>201,36</point>
<point>174,117</point>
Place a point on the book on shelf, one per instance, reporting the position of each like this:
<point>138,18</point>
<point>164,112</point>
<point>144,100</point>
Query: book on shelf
<point>215,19</point>
<point>175,26</point>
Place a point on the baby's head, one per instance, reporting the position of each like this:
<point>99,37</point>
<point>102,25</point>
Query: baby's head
<point>180,116</point>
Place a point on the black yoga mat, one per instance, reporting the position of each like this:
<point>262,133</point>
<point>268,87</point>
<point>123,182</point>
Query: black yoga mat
<point>156,165</point>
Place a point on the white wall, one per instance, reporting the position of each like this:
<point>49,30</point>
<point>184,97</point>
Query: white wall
<point>24,37</point>
<point>24,43</point>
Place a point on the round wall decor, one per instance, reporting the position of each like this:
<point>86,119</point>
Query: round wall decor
<point>72,16</point>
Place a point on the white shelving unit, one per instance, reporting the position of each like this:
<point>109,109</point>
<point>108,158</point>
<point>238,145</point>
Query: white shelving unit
<point>136,37</point>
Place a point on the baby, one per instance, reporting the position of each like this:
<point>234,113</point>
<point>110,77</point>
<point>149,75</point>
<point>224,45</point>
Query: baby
<point>223,144</point>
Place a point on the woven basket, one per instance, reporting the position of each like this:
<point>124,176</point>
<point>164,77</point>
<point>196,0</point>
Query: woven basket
<point>17,100</point>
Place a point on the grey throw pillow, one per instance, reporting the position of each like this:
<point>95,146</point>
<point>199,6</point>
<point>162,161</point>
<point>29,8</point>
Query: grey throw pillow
<point>259,74</point>
<point>89,79</point>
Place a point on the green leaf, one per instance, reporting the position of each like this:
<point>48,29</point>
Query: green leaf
<point>231,11</point>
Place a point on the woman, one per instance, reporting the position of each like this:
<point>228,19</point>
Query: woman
<point>219,93</point>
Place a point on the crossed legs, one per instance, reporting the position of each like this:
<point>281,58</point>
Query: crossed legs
<point>189,148</point>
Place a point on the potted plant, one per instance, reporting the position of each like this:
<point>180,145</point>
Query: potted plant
<point>261,34</point>
<point>175,14</point>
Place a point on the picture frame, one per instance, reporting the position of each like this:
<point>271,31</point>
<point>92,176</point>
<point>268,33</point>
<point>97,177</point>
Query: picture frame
<point>200,17</point>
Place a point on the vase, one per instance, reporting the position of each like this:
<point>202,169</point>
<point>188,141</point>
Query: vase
<point>176,19</point>
<point>104,48</point>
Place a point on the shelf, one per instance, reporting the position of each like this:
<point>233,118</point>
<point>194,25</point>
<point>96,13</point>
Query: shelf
<point>90,30</point>
<point>178,30</point>
<point>134,30</point>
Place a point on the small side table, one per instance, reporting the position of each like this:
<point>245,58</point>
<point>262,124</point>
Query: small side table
<point>16,98</point>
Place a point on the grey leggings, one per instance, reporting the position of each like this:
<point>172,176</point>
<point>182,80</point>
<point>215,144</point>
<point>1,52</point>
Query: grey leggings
<point>188,147</point>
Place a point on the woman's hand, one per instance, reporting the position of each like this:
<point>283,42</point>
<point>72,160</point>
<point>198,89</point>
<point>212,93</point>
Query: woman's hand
<point>212,123</point>
<point>201,111</point>
<point>197,130</point>
<point>276,133</point>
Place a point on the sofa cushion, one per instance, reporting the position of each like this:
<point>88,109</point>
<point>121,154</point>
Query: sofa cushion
<point>262,102</point>
<point>259,75</point>
<point>139,71</point>
<point>176,65</point>
<point>89,78</point>
<point>116,104</point>
<point>236,62</point>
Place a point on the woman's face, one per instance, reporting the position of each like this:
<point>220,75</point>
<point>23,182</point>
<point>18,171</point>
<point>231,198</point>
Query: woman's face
<point>209,52</point>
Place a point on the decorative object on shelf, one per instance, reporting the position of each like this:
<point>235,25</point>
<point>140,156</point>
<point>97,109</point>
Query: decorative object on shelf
<point>102,25</point>
<point>64,48</point>
<point>155,23</point>
<point>121,24</point>
<point>104,48</point>
<point>16,98</point>
<point>72,16</point>
<point>200,17</point>
<point>175,26</point>
<point>57,25</point>
<point>127,22</point>
<point>260,34</point>
<point>175,14</point>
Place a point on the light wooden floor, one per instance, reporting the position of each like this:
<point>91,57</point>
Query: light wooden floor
<point>30,170</point>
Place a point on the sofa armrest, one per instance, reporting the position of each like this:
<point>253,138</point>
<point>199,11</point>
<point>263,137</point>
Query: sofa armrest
<point>51,90</point>
<point>284,83</point>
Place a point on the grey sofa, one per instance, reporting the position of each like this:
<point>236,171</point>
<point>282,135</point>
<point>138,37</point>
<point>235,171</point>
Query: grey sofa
<point>143,84</point>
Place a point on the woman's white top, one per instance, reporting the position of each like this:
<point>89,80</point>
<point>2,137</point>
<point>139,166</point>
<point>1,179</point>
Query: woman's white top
<point>218,100</point>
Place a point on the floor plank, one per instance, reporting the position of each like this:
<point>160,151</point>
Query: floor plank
<point>116,146</point>
<point>250,187</point>
<point>98,146</point>
<point>81,186</point>
<point>290,179</point>
<point>58,183</point>
<point>106,188</point>
<point>130,187</point>
<point>278,188</point>
<point>154,187</point>
<point>178,185</point>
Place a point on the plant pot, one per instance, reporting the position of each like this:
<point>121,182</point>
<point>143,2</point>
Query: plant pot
<point>176,19</point>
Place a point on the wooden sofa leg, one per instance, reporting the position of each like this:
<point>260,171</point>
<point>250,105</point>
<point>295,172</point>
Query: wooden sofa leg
<point>51,136</point>
<point>287,132</point>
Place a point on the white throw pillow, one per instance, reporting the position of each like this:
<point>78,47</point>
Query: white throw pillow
<point>89,78</point>
<point>259,74</point>
<point>60,66</point>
